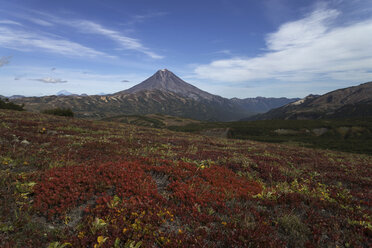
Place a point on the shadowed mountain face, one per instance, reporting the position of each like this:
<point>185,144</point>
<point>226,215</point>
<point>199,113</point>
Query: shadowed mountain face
<point>349,102</point>
<point>163,93</point>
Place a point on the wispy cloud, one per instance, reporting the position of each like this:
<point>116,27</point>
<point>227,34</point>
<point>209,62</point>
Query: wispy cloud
<point>90,27</point>
<point>29,41</point>
<point>5,60</point>
<point>141,18</point>
<point>40,22</point>
<point>50,80</point>
<point>314,47</point>
<point>123,41</point>
<point>225,52</point>
<point>79,26</point>
<point>9,22</point>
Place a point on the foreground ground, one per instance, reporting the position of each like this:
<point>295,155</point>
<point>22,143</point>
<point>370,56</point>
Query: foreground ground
<point>68,182</point>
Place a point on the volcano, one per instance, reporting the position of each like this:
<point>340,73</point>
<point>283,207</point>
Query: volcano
<point>167,81</point>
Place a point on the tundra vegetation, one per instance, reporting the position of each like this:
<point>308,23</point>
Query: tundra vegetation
<point>59,111</point>
<point>66,182</point>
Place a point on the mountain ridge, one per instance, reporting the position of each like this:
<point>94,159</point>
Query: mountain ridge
<point>354,101</point>
<point>162,93</point>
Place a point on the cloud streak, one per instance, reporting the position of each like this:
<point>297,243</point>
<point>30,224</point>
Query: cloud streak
<point>40,22</point>
<point>51,42</point>
<point>143,17</point>
<point>28,41</point>
<point>9,22</point>
<point>91,27</point>
<point>124,42</point>
<point>311,48</point>
<point>49,80</point>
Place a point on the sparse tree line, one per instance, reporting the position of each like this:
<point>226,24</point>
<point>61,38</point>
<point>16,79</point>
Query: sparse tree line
<point>6,104</point>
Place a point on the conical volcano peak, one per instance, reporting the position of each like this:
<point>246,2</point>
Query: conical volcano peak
<point>165,80</point>
<point>164,72</point>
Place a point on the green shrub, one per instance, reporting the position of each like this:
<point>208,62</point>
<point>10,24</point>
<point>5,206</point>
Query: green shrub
<point>5,104</point>
<point>59,111</point>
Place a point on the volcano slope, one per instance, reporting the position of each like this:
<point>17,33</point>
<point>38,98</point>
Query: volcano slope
<point>67,182</point>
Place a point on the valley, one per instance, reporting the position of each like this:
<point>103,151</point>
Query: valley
<point>348,135</point>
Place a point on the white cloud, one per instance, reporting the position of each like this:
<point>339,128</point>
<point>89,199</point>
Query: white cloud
<point>4,60</point>
<point>124,41</point>
<point>302,32</point>
<point>28,41</point>
<point>312,48</point>
<point>50,80</point>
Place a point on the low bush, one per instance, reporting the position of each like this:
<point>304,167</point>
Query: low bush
<point>59,111</point>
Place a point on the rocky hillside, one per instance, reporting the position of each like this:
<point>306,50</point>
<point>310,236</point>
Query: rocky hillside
<point>349,102</point>
<point>140,103</point>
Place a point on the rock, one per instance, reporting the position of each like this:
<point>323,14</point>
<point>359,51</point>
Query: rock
<point>25,142</point>
<point>319,131</point>
<point>15,139</point>
<point>217,132</point>
<point>51,132</point>
<point>286,131</point>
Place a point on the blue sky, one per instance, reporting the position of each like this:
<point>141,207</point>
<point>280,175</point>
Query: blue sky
<point>233,48</point>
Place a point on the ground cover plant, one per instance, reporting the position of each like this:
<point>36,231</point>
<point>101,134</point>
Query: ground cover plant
<point>66,182</point>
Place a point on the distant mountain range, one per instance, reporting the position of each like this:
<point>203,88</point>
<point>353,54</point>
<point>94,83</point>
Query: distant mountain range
<point>67,93</point>
<point>262,104</point>
<point>162,93</point>
<point>351,102</point>
<point>11,97</point>
<point>64,93</point>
